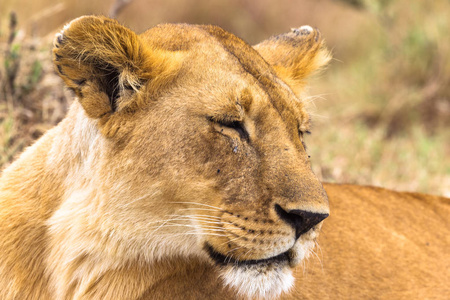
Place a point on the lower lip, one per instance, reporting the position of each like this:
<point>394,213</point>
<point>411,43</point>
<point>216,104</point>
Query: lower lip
<point>224,260</point>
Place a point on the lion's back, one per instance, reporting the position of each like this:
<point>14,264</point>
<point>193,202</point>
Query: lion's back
<point>380,244</point>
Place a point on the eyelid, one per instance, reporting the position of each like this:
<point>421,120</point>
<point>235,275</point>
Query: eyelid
<point>233,124</point>
<point>301,133</point>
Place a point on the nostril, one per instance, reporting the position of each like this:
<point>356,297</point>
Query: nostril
<point>301,220</point>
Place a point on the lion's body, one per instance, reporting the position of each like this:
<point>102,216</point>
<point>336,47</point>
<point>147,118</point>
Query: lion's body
<point>180,172</point>
<point>380,244</point>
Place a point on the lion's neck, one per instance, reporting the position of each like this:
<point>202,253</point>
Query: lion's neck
<point>47,170</point>
<point>31,192</point>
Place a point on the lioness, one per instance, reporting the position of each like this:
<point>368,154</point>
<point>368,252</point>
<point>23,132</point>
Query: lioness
<point>180,172</point>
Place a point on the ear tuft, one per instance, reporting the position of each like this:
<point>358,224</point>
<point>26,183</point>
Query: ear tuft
<point>295,55</point>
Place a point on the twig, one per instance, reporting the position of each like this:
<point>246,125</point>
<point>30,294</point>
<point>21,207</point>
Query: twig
<point>12,59</point>
<point>12,27</point>
<point>47,12</point>
<point>117,7</point>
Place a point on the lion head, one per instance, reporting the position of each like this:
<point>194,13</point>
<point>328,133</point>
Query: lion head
<point>184,141</point>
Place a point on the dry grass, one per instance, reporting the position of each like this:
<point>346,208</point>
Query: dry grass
<point>32,98</point>
<point>384,110</point>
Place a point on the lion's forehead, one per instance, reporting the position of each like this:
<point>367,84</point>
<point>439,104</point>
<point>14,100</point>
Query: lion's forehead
<point>259,83</point>
<point>201,41</point>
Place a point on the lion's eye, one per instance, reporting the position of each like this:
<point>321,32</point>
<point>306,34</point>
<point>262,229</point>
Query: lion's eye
<point>235,125</point>
<point>301,133</point>
<point>238,126</point>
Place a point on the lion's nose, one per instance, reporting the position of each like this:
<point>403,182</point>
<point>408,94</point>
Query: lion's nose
<point>301,220</point>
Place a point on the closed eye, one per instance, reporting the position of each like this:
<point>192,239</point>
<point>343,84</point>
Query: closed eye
<point>301,133</point>
<point>238,126</point>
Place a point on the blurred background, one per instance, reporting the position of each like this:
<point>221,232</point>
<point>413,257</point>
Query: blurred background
<point>381,110</point>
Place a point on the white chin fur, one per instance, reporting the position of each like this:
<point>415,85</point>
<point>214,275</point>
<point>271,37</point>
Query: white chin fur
<point>258,281</point>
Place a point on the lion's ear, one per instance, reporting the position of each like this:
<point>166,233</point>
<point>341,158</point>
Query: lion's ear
<point>295,55</point>
<point>106,64</point>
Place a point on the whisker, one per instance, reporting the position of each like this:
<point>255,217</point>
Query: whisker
<point>255,237</point>
<point>304,267</point>
<point>196,203</point>
<point>172,222</point>
<point>211,222</point>
<point>162,221</point>
<point>239,237</point>
<point>249,250</point>
<point>245,254</point>
<point>317,116</point>
<point>175,218</point>
<point>228,255</point>
<point>191,226</point>
<point>197,216</point>
<point>238,259</point>
<point>212,229</point>
<point>320,249</point>
<point>193,218</point>
<point>296,289</point>
<point>318,258</point>
<point>321,96</point>
<point>160,226</point>
<point>234,249</point>
<point>195,208</point>
<point>190,233</point>
<point>181,218</point>
<point>203,219</point>
<point>136,200</point>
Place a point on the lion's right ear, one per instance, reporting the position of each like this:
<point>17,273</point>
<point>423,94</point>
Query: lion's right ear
<point>295,55</point>
<point>106,64</point>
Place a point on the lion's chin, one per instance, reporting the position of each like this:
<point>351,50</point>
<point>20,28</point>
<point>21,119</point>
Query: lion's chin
<point>262,279</point>
<point>265,281</point>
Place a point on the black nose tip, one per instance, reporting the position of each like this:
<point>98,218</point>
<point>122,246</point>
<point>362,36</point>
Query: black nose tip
<point>301,220</point>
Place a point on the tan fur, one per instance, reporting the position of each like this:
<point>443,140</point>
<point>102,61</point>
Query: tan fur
<point>148,172</point>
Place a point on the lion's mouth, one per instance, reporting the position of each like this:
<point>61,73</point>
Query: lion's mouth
<point>282,258</point>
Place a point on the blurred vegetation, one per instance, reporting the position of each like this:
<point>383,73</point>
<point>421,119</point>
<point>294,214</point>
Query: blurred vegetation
<point>381,110</point>
<point>390,103</point>
<point>32,98</point>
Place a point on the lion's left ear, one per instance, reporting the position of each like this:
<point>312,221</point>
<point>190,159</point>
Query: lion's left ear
<point>295,55</point>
